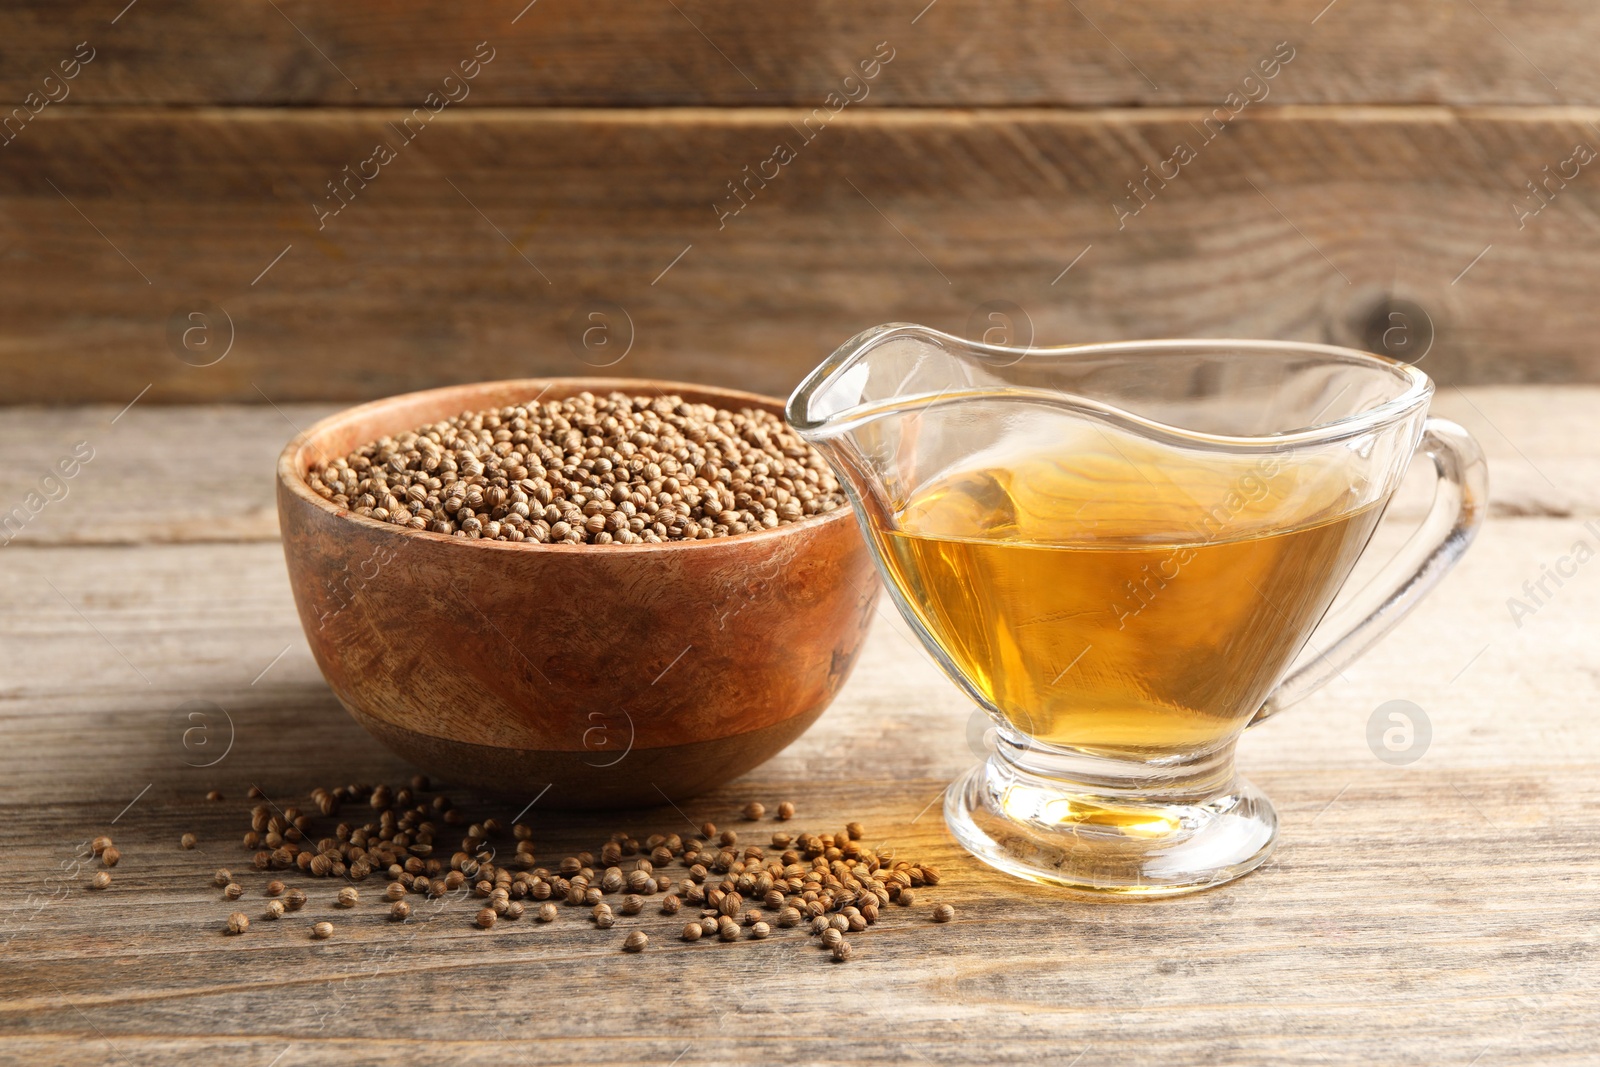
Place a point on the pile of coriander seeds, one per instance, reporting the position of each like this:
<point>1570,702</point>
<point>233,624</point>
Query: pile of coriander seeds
<point>593,470</point>
<point>716,885</point>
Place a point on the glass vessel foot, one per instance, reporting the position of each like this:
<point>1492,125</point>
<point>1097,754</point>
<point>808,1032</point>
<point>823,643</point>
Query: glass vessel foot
<point>1102,841</point>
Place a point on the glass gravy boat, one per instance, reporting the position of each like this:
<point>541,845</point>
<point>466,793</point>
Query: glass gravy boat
<point>1119,551</point>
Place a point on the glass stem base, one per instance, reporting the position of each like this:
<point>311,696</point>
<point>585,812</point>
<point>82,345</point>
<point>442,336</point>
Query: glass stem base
<point>1111,828</point>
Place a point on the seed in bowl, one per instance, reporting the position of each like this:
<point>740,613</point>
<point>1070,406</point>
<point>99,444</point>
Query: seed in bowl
<point>616,469</point>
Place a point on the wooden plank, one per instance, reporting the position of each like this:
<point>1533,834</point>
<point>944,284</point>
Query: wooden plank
<point>484,248</point>
<point>1424,914</point>
<point>952,53</point>
<point>223,491</point>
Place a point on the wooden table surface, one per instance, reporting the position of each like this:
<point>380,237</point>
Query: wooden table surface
<point>1443,912</point>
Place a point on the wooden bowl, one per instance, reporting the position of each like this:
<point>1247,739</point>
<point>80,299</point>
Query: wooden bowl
<point>618,675</point>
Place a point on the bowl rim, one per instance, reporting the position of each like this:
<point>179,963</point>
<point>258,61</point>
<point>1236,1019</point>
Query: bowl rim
<point>292,479</point>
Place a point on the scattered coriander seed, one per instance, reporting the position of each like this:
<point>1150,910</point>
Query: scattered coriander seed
<point>691,932</point>
<point>786,810</point>
<point>233,891</point>
<point>842,952</point>
<point>632,904</point>
<point>399,911</point>
<point>110,857</point>
<point>943,913</point>
<point>906,898</point>
<point>222,877</point>
<point>514,910</point>
<point>101,880</point>
<point>727,929</point>
<point>831,938</point>
<point>754,810</point>
<point>394,891</point>
<point>238,923</point>
<point>486,918</point>
<point>214,795</point>
<point>274,909</point>
<point>256,793</point>
<point>274,888</point>
<point>708,830</point>
<point>322,931</point>
<point>294,899</point>
<point>547,913</point>
<point>100,844</point>
<point>670,904</point>
<point>348,897</point>
<point>636,941</point>
<point>789,917</point>
<point>188,841</point>
<point>854,831</point>
<point>760,931</point>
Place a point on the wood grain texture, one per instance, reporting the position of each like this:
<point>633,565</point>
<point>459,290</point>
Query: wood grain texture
<point>950,53</point>
<point>1434,913</point>
<point>227,494</point>
<point>488,245</point>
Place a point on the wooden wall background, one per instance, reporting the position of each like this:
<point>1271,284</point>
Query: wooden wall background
<point>1379,177</point>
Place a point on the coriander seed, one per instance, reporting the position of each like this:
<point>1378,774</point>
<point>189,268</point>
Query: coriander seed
<point>597,470</point>
<point>842,952</point>
<point>760,930</point>
<point>831,938</point>
<point>394,891</point>
<point>514,910</point>
<point>348,897</point>
<point>635,941</point>
<point>943,913</point>
<point>110,857</point>
<point>214,795</point>
<point>188,841</point>
<point>547,913</point>
<point>233,891</point>
<point>100,844</point>
<point>322,931</point>
<point>294,899</point>
<point>399,911</point>
<point>754,810</point>
<point>906,898</point>
<point>238,923</point>
<point>670,904</point>
<point>101,880</point>
<point>274,888</point>
<point>486,918</point>
<point>222,877</point>
<point>789,917</point>
<point>274,909</point>
<point>786,810</point>
<point>691,932</point>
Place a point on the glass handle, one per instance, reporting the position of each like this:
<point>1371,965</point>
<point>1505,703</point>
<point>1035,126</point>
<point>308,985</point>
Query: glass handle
<point>1460,502</point>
